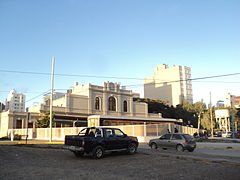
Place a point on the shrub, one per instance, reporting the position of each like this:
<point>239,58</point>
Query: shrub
<point>17,137</point>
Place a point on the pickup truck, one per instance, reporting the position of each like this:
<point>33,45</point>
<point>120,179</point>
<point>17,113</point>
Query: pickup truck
<point>100,140</point>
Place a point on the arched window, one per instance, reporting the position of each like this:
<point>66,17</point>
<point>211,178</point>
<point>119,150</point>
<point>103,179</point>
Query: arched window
<point>112,104</point>
<point>124,106</point>
<point>97,103</point>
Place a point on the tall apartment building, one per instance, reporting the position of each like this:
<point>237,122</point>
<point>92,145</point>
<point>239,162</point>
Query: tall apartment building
<point>170,84</point>
<point>232,101</point>
<point>15,102</point>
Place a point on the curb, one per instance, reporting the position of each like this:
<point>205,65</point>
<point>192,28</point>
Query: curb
<point>28,143</point>
<point>220,148</point>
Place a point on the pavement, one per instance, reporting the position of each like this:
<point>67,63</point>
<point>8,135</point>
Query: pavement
<point>221,152</point>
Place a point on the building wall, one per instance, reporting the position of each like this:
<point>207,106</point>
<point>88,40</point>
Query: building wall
<point>143,132</point>
<point>60,102</point>
<point>80,102</point>
<point>77,104</point>
<point>140,109</point>
<point>167,79</point>
<point>4,123</point>
<point>84,97</point>
<point>223,119</point>
<point>15,120</point>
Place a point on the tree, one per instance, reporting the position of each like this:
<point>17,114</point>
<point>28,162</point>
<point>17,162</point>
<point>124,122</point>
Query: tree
<point>44,120</point>
<point>184,111</point>
<point>187,106</point>
<point>198,108</point>
<point>206,120</point>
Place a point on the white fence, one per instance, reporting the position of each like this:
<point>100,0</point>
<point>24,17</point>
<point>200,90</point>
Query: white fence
<point>143,132</point>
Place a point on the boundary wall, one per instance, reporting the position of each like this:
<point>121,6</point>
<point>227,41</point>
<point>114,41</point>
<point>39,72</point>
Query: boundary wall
<point>143,132</point>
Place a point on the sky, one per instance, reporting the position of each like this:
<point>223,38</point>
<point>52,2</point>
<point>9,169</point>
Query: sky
<point>118,38</point>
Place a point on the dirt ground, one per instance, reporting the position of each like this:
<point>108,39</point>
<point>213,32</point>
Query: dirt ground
<point>20,162</point>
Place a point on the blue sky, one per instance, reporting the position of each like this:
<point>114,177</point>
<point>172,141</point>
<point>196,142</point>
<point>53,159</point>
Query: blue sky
<point>124,38</point>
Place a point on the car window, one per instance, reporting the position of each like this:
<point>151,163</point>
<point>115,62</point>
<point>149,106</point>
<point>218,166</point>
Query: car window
<point>187,136</point>
<point>176,137</point>
<point>119,133</point>
<point>108,132</point>
<point>166,136</point>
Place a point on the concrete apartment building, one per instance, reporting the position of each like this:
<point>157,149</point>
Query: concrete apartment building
<point>15,101</point>
<point>14,115</point>
<point>169,84</point>
<point>232,101</point>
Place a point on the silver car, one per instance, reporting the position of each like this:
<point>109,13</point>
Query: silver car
<point>178,141</point>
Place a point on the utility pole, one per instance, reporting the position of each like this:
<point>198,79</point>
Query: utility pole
<point>232,115</point>
<point>51,99</point>
<point>28,118</point>
<point>211,116</point>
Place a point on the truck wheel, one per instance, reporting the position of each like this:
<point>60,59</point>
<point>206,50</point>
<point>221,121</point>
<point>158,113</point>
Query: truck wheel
<point>78,154</point>
<point>98,152</point>
<point>132,148</point>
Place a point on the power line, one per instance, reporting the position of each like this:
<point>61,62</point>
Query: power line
<point>30,92</point>
<point>191,79</point>
<point>38,96</point>
<point>70,75</point>
<point>113,77</point>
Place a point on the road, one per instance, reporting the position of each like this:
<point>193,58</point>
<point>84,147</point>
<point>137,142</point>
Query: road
<point>227,152</point>
<point>33,162</point>
<point>222,149</point>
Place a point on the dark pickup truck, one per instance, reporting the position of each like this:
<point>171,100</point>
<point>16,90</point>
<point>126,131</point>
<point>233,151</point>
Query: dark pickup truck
<point>98,141</point>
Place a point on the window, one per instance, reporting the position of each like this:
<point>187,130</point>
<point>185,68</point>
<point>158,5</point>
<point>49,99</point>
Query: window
<point>187,136</point>
<point>83,132</point>
<point>97,103</point>
<point>119,133</point>
<point>166,136</point>
<point>109,132</point>
<point>176,137</point>
<point>111,86</point>
<point>124,106</point>
<point>112,104</point>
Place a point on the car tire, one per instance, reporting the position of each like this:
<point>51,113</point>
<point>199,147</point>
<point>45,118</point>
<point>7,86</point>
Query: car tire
<point>154,146</point>
<point>132,148</point>
<point>179,148</point>
<point>98,152</point>
<point>78,154</point>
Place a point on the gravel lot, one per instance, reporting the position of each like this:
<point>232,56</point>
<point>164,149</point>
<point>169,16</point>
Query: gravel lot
<point>20,162</point>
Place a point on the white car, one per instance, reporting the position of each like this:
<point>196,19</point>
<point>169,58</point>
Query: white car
<point>226,134</point>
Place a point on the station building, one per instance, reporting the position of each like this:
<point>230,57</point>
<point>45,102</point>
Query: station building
<point>110,103</point>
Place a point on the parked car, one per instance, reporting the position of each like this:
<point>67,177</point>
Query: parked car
<point>235,134</point>
<point>226,134</point>
<point>178,141</point>
<point>98,141</point>
<point>219,134</point>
